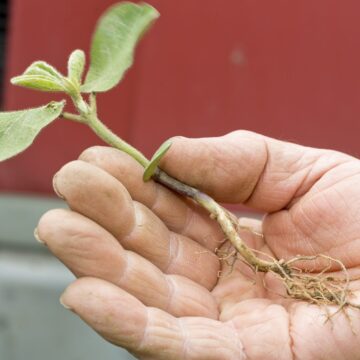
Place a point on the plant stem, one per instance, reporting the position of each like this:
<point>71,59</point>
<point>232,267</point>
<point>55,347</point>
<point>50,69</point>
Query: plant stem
<point>221,215</point>
<point>74,117</point>
<point>228,225</point>
<point>88,116</point>
<point>110,138</point>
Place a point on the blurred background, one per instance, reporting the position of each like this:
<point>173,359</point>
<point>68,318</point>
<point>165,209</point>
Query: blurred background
<point>282,68</point>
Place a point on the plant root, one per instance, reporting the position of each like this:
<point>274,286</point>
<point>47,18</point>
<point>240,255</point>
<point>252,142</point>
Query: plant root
<point>319,288</point>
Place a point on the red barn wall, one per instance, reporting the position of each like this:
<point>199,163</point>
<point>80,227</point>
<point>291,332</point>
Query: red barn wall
<point>288,69</point>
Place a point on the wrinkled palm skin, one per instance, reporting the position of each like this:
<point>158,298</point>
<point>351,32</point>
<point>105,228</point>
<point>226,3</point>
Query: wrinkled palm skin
<point>145,258</point>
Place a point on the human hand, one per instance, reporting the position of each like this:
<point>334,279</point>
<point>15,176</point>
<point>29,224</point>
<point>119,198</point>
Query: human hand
<point>149,278</point>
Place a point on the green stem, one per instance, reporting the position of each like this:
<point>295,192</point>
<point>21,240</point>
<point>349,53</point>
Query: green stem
<point>228,225</point>
<point>110,138</point>
<point>88,115</point>
<point>73,117</point>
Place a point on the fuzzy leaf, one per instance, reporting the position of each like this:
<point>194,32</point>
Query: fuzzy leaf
<point>44,77</point>
<point>39,82</point>
<point>76,65</point>
<point>18,129</point>
<point>113,45</point>
<point>43,68</point>
<point>155,160</point>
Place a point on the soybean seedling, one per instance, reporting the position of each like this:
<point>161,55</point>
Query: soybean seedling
<point>113,45</point>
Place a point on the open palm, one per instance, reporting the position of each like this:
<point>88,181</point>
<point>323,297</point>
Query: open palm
<point>149,275</point>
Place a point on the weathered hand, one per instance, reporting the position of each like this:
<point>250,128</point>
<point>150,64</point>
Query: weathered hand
<point>148,273</point>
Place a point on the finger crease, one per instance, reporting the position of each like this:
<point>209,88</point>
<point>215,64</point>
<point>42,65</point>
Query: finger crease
<point>154,202</point>
<point>136,224</point>
<point>171,291</point>
<point>190,217</point>
<point>239,344</point>
<point>145,334</point>
<point>260,176</point>
<point>126,267</point>
<point>185,343</point>
<point>173,250</point>
<point>291,338</point>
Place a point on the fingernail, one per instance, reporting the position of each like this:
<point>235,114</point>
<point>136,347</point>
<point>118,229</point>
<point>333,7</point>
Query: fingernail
<point>62,302</point>
<point>57,192</point>
<point>36,236</point>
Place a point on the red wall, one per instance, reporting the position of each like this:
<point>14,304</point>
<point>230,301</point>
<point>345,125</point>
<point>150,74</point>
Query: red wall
<point>289,69</point>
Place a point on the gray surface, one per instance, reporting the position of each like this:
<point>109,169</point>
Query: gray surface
<point>33,325</point>
<point>19,216</point>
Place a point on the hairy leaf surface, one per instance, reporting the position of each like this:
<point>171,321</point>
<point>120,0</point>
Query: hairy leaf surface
<point>76,64</point>
<point>18,129</point>
<point>41,76</point>
<point>113,45</point>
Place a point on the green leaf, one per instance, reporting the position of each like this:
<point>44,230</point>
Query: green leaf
<point>44,69</point>
<point>39,82</point>
<point>18,129</point>
<point>42,76</point>
<point>155,160</point>
<point>76,65</point>
<point>113,45</point>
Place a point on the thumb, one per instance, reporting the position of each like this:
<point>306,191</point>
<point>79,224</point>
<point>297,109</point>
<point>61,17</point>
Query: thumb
<point>249,168</point>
